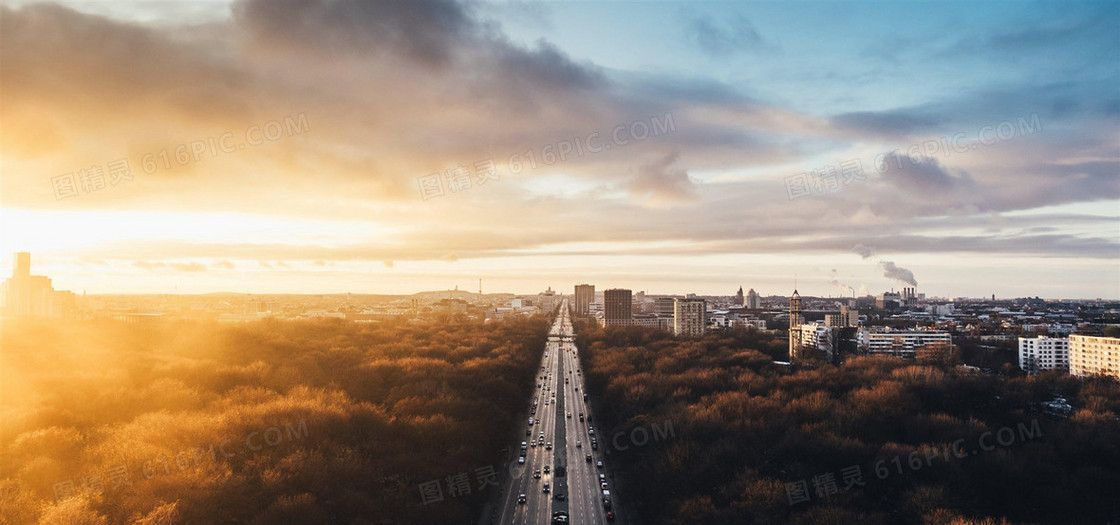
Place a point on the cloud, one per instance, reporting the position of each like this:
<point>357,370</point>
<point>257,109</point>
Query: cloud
<point>863,251</point>
<point>887,123</point>
<point>732,35</point>
<point>428,31</point>
<point>225,265</point>
<point>660,184</point>
<point>187,267</point>
<point>923,174</point>
<point>177,266</point>
<point>898,273</point>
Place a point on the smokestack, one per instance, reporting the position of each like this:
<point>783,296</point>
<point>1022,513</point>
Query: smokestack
<point>22,266</point>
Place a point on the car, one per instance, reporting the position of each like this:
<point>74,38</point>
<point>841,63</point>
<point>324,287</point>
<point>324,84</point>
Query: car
<point>591,431</point>
<point>533,444</point>
<point>581,417</point>
<point>578,444</point>
<point>521,460</point>
<point>577,389</point>
<point>588,458</point>
<point>603,485</point>
<point>610,515</point>
<point>545,487</point>
<point>546,468</point>
<point>537,473</point>
<point>569,415</point>
<point>548,446</point>
<point>528,432</point>
<point>602,478</point>
<point>530,421</point>
<point>523,445</point>
<point>521,498</point>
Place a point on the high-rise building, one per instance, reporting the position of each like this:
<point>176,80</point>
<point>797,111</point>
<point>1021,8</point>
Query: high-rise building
<point>617,307</point>
<point>585,295</point>
<point>548,300</point>
<point>1043,353</point>
<point>753,301</point>
<point>1090,355</point>
<point>26,295</point>
<point>794,326</point>
<point>690,316</point>
<point>739,297</point>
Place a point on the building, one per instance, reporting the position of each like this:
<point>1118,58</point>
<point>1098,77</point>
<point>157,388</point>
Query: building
<point>888,300</point>
<point>690,316</point>
<point>663,307</point>
<point>585,295</point>
<point>752,301</point>
<point>1043,353</point>
<point>794,326</point>
<point>815,338</point>
<point>1090,355</point>
<point>846,318</point>
<point>617,305</point>
<point>902,343</point>
<point>26,295</point>
<point>548,300</point>
<point>652,321</point>
<point>739,297</point>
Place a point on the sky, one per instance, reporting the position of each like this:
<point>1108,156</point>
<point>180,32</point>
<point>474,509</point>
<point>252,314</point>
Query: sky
<point>320,146</point>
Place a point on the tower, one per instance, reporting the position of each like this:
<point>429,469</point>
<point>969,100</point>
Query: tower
<point>22,265</point>
<point>794,326</point>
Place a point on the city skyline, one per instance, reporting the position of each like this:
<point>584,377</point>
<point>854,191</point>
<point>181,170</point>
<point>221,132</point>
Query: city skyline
<point>972,152</point>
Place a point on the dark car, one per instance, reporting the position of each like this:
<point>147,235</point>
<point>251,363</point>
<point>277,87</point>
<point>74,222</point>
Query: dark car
<point>521,498</point>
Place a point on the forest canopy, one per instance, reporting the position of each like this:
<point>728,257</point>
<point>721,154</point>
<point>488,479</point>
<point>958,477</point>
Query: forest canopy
<point>873,440</point>
<point>268,422</point>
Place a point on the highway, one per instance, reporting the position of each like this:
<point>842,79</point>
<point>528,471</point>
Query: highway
<point>555,409</point>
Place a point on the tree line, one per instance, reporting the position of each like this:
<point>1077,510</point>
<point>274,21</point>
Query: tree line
<point>872,440</point>
<point>303,422</point>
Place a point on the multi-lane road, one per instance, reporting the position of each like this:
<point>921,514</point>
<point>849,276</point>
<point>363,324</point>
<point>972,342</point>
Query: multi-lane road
<point>560,437</point>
